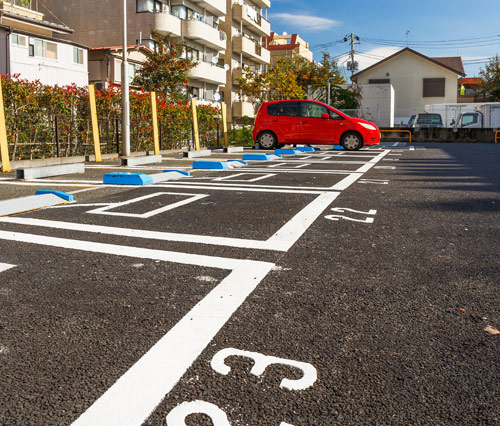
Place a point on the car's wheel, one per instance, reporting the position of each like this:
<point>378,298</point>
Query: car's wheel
<point>351,141</point>
<point>267,140</point>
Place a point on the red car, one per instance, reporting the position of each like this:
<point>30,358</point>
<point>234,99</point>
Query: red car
<point>309,122</point>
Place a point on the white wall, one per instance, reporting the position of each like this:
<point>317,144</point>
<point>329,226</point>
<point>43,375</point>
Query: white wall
<point>61,71</point>
<point>377,103</point>
<point>406,73</point>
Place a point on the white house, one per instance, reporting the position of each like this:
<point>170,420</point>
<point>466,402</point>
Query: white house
<point>29,47</point>
<point>417,80</point>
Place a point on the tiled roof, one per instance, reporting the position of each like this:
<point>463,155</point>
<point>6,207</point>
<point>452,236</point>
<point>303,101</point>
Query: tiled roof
<point>453,62</point>
<point>470,81</point>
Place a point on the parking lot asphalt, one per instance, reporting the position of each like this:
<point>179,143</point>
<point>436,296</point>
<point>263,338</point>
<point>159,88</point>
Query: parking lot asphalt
<point>327,288</point>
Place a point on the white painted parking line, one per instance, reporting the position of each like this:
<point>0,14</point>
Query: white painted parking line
<point>353,177</point>
<point>105,210</point>
<point>246,188</point>
<point>302,165</point>
<point>280,241</point>
<point>294,170</point>
<point>127,251</point>
<point>5,267</point>
<point>286,237</point>
<point>255,179</point>
<point>85,190</point>
<point>276,165</point>
<point>374,181</point>
<point>46,183</point>
<point>131,400</point>
<point>372,162</point>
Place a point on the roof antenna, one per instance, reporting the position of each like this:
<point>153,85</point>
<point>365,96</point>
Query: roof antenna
<point>407,32</point>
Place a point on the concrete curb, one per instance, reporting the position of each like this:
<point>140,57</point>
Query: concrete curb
<point>138,161</point>
<point>210,165</point>
<point>32,202</point>
<point>167,175</point>
<point>64,195</point>
<point>121,178</point>
<point>196,154</point>
<point>261,157</point>
<point>48,171</point>
<point>237,163</point>
<point>233,149</point>
<point>286,151</point>
<point>184,172</point>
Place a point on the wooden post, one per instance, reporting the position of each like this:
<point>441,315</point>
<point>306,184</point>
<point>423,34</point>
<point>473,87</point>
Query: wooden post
<point>4,147</point>
<point>196,135</point>
<point>224,123</point>
<point>154,115</point>
<point>95,124</point>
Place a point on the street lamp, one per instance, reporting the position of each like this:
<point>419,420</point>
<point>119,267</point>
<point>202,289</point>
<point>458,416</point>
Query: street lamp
<point>125,89</point>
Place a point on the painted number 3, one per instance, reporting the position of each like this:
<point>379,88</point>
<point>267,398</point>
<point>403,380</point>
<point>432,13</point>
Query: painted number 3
<point>344,210</point>
<point>177,417</point>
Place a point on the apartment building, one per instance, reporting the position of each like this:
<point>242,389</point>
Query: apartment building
<point>99,24</point>
<point>245,26</point>
<point>31,46</point>
<point>288,45</point>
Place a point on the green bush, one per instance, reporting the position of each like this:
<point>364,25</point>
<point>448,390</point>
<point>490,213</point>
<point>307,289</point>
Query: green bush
<point>47,121</point>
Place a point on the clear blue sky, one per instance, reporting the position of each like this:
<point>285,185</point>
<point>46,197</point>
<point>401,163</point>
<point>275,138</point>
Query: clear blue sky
<point>475,23</point>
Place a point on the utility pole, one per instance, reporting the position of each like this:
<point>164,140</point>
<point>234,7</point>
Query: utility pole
<point>353,64</point>
<point>125,89</point>
<point>407,32</point>
<point>352,38</point>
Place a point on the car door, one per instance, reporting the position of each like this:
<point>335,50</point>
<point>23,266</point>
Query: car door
<point>285,121</point>
<point>315,129</point>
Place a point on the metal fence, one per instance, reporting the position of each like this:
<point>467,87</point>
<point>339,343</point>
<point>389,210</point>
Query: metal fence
<point>71,135</point>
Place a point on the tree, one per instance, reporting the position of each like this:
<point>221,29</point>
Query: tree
<point>294,77</point>
<point>165,71</point>
<point>491,79</point>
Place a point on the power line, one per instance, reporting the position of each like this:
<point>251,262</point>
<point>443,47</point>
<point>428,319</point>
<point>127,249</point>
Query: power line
<point>483,41</point>
<point>482,38</point>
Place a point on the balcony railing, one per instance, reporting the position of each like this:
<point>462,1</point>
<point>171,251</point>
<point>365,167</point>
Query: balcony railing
<point>250,48</point>
<point>251,19</point>
<point>165,22</point>
<point>205,33</point>
<point>208,72</point>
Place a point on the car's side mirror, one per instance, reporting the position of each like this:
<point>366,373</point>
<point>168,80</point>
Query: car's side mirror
<point>325,115</point>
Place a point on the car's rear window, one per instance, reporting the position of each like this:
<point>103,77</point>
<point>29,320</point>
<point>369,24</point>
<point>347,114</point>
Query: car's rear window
<point>429,119</point>
<point>289,109</point>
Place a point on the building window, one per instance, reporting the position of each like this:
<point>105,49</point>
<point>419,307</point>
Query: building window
<point>379,81</point>
<point>434,87</point>
<point>18,40</point>
<point>42,48</point>
<point>77,55</point>
<point>180,11</point>
<point>150,6</point>
<point>192,54</point>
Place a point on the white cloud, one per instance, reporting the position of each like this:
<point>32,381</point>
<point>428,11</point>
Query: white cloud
<point>305,22</point>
